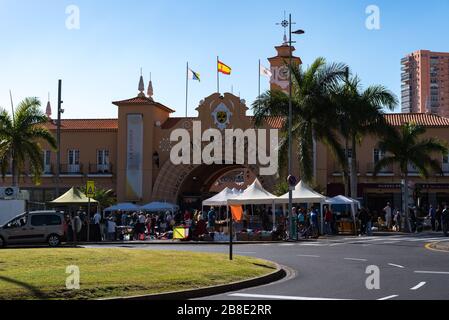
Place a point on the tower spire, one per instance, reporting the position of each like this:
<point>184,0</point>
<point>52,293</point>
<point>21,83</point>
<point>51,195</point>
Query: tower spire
<point>141,85</point>
<point>150,91</point>
<point>48,110</point>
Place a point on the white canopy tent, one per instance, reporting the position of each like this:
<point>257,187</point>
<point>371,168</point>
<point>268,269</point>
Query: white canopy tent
<point>159,207</point>
<point>342,200</point>
<point>304,194</point>
<point>220,199</point>
<point>123,207</point>
<point>255,194</point>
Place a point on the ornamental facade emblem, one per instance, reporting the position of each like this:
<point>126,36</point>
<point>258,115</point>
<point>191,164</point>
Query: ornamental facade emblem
<point>222,116</point>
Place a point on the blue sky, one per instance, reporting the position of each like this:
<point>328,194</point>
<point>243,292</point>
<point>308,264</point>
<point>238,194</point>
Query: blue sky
<point>101,61</point>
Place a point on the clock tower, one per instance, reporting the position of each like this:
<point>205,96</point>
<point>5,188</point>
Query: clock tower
<point>279,67</point>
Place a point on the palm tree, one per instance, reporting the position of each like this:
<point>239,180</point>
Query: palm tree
<point>405,149</point>
<point>361,112</point>
<point>313,112</point>
<point>20,139</point>
<point>105,197</point>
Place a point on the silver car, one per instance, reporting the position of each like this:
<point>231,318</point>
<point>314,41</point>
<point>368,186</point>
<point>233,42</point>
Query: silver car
<point>32,228</point>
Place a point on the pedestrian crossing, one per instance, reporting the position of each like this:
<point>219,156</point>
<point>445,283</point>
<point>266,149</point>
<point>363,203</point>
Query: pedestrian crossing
<point>364,241</point>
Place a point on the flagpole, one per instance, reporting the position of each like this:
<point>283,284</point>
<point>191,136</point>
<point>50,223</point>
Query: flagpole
<point>259,81</point>
<point>187,87</point>
<point>218,76</point>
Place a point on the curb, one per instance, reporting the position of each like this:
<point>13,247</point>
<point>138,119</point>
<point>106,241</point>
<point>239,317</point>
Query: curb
<point>277,275</point>
<point>171,243</point>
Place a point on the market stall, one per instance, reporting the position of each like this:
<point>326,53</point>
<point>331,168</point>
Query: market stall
<point>124,207</point>
<point>159,207</point>
<point>255,195</point>
<point>221,200</point>
<point>346,225</point>
<point>304,194</point>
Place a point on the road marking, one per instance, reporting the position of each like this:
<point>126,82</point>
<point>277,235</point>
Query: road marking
<point>336,244</point>
<point>432,272</point>
<point>308,256</point>
<point>356,259</point>
<point>388,298</point>
<point>396,265</point>
<point>429,247</point>
<point>389,242</point>
<point>313,244</point>
<point>287,244</point>
<point>272,297</point>
<point>419,285</point>
<point>367,245</point>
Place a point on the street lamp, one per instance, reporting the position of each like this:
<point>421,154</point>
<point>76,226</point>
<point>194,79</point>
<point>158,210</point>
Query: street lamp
<point>290,119</point>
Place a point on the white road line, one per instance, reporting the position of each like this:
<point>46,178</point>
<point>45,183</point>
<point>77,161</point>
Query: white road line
<point>432,272</point>
<point>286,244</point>
<point>272,297</point>
<point>419,285</point>
<point>336,244</point>
<point>396,265</point>
<point>367,245</point>
<point>313,244</point>
<point>389,242</point>
<point>356,259</point>
<point>427,239</point>
<point>308,256</point>
<point>388,298</point>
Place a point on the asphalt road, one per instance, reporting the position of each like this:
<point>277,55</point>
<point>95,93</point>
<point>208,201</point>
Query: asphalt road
<point>335,268</point>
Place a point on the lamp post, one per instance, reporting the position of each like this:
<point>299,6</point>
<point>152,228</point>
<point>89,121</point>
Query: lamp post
<point>291,179</point>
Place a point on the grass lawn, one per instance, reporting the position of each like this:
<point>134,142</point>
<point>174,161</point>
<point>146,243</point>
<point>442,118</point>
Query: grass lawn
<point>40,273</point>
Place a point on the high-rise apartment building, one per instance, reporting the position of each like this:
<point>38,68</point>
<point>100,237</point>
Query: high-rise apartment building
<point>425,83</point>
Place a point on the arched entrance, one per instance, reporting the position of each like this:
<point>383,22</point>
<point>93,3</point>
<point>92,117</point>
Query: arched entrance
<point>177,181</point>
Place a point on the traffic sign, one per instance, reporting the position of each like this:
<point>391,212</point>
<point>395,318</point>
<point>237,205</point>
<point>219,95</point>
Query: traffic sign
<point>90,189</point>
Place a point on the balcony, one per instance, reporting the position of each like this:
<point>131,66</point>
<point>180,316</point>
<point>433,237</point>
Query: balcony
<point>100,169</point>
<point>385,172</point>
<point>71,169</point>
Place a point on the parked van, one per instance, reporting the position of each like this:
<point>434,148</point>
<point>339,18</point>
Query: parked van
<point>33,228</point>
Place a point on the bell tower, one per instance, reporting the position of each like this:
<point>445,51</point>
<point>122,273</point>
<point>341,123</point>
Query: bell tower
<point>279,67</point>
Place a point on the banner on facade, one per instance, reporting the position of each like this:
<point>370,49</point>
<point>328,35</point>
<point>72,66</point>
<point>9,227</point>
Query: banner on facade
<point>134,157</point>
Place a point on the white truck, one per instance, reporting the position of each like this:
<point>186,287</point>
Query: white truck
<point>12,203</point>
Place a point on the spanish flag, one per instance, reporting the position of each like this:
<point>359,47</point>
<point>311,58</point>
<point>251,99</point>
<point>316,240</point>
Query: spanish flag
<point>224,68</point>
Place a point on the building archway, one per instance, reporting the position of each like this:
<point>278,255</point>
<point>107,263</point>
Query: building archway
<point>175,180</point>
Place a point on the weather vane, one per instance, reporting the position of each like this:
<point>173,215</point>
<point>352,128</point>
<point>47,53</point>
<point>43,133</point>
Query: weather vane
<point>285,24</point>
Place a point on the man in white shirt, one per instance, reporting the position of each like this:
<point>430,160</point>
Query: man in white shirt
<point>388,216</point>
<point>111,229</point>
<point>97,229</point>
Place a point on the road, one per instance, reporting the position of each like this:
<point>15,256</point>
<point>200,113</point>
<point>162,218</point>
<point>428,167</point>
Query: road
<point>335,268</point>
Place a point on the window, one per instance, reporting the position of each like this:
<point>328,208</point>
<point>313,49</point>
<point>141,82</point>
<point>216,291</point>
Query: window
<point>47,161</point>
<point>74,157</point>
<point>348,153</point>
<point>102,160</point>
<point>45,220</point>
<point>378,155</point>
<point>446,159</point>
<point>74,161</point>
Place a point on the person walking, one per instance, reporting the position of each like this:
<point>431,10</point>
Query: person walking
<point>111,229</point>
<point>445,220</point>
<point>369,223</point>
<point>438,218</point>
<point>97,226</point>
<point>363,217</point>
<point>388,216</point>
<point>328,217</point>
<point>432,217</point>
<point>211,215</point>
<point>397,221</point>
